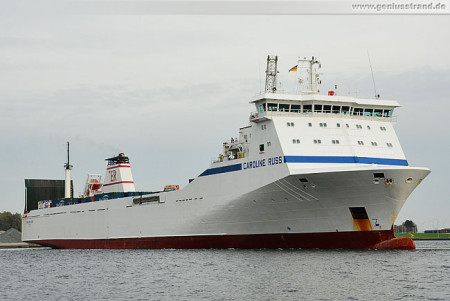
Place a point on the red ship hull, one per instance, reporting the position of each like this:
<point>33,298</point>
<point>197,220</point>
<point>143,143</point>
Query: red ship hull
<point>331,240</point>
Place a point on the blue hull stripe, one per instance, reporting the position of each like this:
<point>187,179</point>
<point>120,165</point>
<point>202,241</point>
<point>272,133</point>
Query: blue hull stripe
<point>335,159</point>
<point>314,159</point>
<point>223,169</point>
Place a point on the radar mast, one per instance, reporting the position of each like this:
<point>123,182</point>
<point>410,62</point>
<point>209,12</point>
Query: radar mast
<point>271,74</point>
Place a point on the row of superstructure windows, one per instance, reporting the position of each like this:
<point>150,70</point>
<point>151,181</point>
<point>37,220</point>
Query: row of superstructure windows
<point>324,125</point>
<point>336,141</point>
<point>324,108</point>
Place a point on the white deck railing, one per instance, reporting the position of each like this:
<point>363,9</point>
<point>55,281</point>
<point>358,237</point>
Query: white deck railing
<point>269,114</point>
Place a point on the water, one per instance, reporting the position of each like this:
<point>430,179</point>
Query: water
<point>422,274</point>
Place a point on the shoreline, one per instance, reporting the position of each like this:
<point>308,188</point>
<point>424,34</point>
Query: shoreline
<point>444,238</point>
<point>18,245</point>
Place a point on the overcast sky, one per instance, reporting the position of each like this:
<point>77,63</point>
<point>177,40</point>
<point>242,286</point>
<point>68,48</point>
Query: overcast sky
<point>169,89</point>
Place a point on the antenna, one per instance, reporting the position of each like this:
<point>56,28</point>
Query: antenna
<point>260,81</point>
<point>377,96</point>
<point>67,165</point>
<point>67,190</point>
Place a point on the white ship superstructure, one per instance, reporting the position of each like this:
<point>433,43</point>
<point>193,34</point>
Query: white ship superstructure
<point>308,171</point>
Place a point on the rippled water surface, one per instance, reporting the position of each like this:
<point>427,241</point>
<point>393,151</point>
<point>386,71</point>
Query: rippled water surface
<point>422,274</point>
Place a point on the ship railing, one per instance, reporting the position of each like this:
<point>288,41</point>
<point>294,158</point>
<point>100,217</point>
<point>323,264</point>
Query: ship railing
<point>257,116</point>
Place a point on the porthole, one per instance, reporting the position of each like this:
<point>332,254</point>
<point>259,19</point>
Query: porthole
<point>408,180</point>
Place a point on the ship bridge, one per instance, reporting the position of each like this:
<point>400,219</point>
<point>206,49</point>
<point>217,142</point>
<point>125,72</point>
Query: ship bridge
<point>273,104</point>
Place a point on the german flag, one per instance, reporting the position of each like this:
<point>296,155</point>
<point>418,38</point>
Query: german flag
<point>293,68</point>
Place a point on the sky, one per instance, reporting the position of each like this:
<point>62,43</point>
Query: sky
<point>168,90</point>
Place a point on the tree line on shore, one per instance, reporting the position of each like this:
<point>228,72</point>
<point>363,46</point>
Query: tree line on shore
<point>406,226</point>
<point>9,220</point>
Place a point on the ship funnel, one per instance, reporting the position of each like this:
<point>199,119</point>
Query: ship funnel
<point>118,176</point>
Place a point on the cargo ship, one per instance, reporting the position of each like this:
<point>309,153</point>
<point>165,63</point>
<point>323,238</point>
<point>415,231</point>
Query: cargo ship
<point>309,170</point>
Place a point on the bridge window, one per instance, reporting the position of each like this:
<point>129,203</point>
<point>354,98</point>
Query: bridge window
<point>295,108</point>
<point>327,109</point>
<point>261,108</point>
<point>368,112</point>
<point>336,109</point>
<point>307,108</point>
<point>387,113</point>
<point>272,107</point>
<point>317,108</point>
<point>284,107</point>
<point>358,111</point>
<point>377,113</point>
<point>345,109</point>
